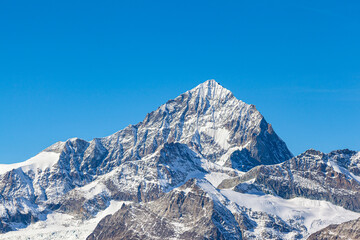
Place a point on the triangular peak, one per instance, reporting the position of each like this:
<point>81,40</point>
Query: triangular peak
<point>210,82</point>
<point>211,89</point>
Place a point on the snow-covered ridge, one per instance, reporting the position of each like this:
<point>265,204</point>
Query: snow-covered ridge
<point>313,214</point>
<point>210,89</point>
<point>41,161</point>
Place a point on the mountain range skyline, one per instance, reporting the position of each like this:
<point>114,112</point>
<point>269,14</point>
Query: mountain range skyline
<point>286,134</point>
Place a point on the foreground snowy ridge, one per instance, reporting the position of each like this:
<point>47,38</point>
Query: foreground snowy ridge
<point>204,162</point>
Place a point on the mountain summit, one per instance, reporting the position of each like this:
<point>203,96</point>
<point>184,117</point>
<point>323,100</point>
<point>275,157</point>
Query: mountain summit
<point>211,89</point>
<point>221,127</point>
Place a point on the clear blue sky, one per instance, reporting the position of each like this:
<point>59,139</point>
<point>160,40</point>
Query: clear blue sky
<point>89,68</point>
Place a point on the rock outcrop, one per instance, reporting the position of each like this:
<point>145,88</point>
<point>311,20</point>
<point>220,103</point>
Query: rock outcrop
<point>345,231</point>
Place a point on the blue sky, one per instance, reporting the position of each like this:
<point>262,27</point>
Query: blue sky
<point>89,68</point>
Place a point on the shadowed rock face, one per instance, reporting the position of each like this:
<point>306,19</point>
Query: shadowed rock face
<point>344,231</point>
<point>242,160</point>
<point>332,177</point>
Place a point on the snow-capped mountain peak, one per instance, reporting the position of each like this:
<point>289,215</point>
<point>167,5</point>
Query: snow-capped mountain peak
<point>211,90</point>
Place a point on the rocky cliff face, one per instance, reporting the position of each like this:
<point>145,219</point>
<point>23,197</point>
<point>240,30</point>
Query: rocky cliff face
<point>346,231</point>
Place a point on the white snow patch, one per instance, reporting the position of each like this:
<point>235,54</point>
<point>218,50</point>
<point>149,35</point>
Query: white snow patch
<point>92,189</point>
<point>61,226</point>
<point>313,214</point>
<point>215,178</point>
<point>41,161</point>
<point>342,170</point>
<point>220,135</point>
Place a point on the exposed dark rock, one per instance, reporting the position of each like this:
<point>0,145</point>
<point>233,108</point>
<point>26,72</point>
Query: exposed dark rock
<point>343,231</point>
